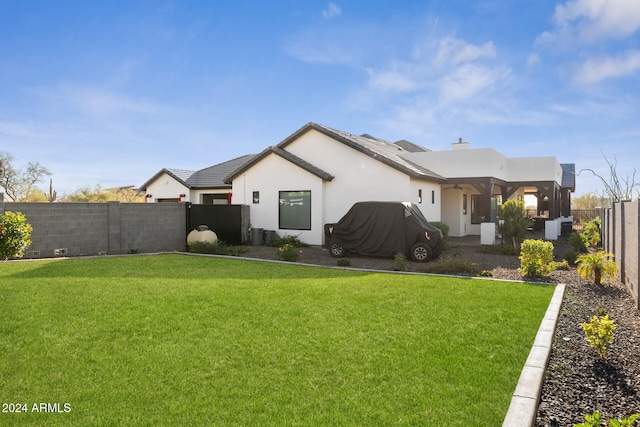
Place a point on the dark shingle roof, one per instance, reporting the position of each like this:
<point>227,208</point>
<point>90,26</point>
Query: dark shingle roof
<point>568,176</point>
<point>214,176</point>
<point>211,177</point>
<point>410,146</point>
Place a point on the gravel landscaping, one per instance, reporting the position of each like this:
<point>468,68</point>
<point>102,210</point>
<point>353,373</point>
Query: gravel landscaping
<point>577,380</point>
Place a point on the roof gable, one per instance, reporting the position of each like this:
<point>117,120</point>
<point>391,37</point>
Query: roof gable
<point>285,155</point>
<point>378,149</point>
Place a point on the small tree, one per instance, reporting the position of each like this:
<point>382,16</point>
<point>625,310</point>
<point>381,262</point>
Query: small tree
<point>20,184</point>
<point>514,223</point>
<point>15,235</point>
<point>596,265</point>
<point>592,231</point>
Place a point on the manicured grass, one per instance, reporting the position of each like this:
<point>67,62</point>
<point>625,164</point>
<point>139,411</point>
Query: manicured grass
<point>183,340</point>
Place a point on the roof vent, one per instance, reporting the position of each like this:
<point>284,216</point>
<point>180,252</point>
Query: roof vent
<point>460,145</point>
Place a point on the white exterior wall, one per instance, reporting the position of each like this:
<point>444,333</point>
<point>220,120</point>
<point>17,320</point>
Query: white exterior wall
<point>535,169</point>
<point>270,176</point>
<point>166,187</point>
<point>487,162</point>
<point>465,163</point>
<point>431,211</point>
<point>358,177</point>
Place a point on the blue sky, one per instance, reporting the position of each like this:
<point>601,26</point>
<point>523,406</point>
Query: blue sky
<point>110,92</point>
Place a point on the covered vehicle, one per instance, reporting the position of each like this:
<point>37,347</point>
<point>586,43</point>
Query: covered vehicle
<point>384,229</point>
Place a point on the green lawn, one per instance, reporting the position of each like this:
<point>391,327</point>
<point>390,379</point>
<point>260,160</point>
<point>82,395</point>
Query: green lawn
<point>182,340</point>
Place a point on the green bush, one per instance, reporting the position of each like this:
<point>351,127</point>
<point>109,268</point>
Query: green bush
<point>592,231</point>
<point>514,223</point>
<point>401,262</point>
<point>217,248</point>
<point>578,241</point>
<point>599,334</point>
<point>15,235</point>
<point>344,262</point>
<point>570,255</point>
<point>289,252</point>
<point>279,241</point>
<point>444,227</point>
<point>498,250</point>
<point>535,258</point>
<point>594,420</point>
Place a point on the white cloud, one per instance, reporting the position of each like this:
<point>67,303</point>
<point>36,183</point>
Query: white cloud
<point>453,51</point>
<point>595,70</point>
<point>468,81</point>
<point>532,60</point>
<point>97,101</point>
<point>391,80</point>
<point>331,11</point>
<point>598,19</point>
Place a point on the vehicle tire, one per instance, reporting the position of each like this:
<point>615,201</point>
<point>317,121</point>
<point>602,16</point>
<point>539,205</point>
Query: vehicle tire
<point>421,252</point>
<point>336,250</point>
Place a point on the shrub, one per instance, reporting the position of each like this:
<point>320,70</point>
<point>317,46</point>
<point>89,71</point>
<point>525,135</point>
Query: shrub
<point>570,255</point>
<point>514,223</point>
<point>289,252</point>
<point>596,265</point>
<point>401,262</point>
<point>599,334</point>
<point>344,262</point>
<point>15,235</point>
<point>562,265</point>
<point>535,258</point>
<point>444,227</point>
<point>279,241</point>
<point>591,231</point>
<point>578,241</point>
<point>486,273</point>
<point>498,250</point>
<point>217,248</point>
<point>594,420</point>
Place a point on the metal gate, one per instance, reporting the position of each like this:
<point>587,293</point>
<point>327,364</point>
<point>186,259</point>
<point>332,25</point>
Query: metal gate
<point>229,222</point>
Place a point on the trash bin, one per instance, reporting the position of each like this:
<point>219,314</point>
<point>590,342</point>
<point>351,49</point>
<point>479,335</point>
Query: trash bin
<point>269,235</point>
<point>256,236</point>
<point>566,228</point>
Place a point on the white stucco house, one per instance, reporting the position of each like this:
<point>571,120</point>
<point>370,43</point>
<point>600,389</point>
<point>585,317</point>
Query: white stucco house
<point>316,174</point>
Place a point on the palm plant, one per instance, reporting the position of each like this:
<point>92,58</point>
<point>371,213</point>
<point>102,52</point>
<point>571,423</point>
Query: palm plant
<point>596,265</point>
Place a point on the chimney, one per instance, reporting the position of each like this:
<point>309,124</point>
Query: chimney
<point>460,145</point>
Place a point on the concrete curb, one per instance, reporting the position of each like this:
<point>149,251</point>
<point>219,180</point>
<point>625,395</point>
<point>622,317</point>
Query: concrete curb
<point>526,397</point>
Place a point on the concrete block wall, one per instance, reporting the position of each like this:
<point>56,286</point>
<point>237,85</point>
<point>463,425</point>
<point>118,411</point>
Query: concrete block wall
<point>152,227</point>
<point>621,236</point>
<point>74,229</point>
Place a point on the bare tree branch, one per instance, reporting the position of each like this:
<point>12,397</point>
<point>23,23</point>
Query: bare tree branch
<point>617,188</point>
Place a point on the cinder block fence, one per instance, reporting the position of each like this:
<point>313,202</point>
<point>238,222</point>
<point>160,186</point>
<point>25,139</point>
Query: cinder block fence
<point>73,229</point>
<point>621,236</point>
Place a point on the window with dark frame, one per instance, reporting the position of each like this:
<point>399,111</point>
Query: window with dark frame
<point>476,209</point>
<point>419,195</point>
<point>256,197</point>
<point>295,210</point>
